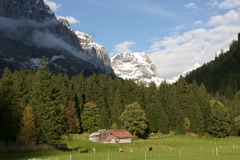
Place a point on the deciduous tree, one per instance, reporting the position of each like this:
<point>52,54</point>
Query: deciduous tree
<point>134,119</point>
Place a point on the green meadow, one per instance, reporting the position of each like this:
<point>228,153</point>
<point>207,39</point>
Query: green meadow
<point>169,148</point>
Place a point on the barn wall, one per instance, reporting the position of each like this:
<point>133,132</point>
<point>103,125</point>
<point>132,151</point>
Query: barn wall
<point>125,140</point>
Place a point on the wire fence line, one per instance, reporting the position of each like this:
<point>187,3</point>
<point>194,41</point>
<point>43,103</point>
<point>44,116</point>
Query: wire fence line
<point>150,155</point>
<point>5,148</point>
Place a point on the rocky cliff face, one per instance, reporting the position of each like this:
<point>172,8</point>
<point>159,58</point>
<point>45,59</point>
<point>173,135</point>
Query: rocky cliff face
<point>30,30</point>
<point>135,66</point>
<point>34,10</point>
<point>94,49</point>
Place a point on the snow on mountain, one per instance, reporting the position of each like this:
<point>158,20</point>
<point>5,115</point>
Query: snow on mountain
<point>90,47</point>
<point>30,30</point>
<point>184,74</point>
<point>136,66</point>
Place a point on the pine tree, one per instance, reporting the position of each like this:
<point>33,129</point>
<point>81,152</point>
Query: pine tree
<point>194,113</point>
<point>237,123</point>
<point>117,107</point>
<point>104,111</point>
<point>71,117</point>
<point>183,102</point>
<point>220,122</point>
<point>153,108</point>
<point>134,119</point>
<point>79,90</point>
<point>28,127</point>
<point>186,125</point>
<point>9,111</point>
<point>45,100</point>
<point>203,102</point>
<point>166,99</point>
<point>90,117</point>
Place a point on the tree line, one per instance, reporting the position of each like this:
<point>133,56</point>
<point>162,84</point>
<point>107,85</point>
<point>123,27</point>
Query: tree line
<point>45,106</point>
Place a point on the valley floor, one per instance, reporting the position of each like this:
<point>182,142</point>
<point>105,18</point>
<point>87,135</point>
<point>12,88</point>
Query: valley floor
<point>169,148</point>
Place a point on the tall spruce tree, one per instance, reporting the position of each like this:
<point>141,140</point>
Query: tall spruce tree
<point>183,102</point>
<point>28,128</point>
<point>71,118</point>
<point>45,100</point>
<point>9,111</point>
<point>117,107</point>
<point>203,102</point>
<point>153,108</point>
<point>90,117</point>
<point>220,123</point>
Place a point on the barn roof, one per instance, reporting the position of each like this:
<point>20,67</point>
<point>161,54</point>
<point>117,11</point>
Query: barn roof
<point>121,133</point>
<point>109,138</point>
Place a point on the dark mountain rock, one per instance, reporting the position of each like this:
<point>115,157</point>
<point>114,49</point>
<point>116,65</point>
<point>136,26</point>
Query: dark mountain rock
<point>30,30</point>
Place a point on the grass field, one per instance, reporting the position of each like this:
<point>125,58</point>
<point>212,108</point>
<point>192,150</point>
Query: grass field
<point>169,148</point>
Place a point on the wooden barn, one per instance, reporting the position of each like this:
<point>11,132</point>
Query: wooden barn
<point>111,136</point>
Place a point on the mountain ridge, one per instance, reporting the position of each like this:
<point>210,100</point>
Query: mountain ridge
<point>30,30</point>
<point>138,67</point>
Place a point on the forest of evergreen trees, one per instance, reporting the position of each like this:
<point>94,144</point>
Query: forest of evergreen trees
<point>43,105</point>
<point>221,75</point>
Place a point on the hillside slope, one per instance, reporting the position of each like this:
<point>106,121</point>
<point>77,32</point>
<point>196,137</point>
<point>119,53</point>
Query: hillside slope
<point>222,74</point>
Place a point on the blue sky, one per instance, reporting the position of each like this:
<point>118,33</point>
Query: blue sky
<point>175,34</point>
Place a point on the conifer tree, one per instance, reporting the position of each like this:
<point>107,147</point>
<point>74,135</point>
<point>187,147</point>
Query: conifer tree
<point>9,112</point>
<point>183,102</point>
<point>104,111</point>
<point>171,107</point>
<point>186,125</point>
<point>71,117</point>
<point>117,107</point>
<point>153,108</point>
<point>220,124</point>
<point>28,127</point>
<point>237,123</point>
<point>79,92</point>
<point>90,117</point>
<point>45,100</point>
<point>203,102</point>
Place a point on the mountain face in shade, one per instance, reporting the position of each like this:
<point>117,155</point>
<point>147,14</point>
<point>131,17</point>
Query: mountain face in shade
<point>29,30</point>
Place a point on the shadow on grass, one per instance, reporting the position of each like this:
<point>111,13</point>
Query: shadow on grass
<point>63,147</point>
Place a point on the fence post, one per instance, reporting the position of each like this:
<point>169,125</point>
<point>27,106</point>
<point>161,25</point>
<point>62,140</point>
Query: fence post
<point>216,151</point>
<point>180,153</point>
<point>70,157</point>
<point>145,155</point>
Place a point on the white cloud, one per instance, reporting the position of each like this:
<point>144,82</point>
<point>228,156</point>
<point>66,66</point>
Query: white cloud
<point>230,18</point>
<point>179,27</point>
<point>213,3</point>
<point>53,5</point>
<point>70,19</point>
<point>174,54</point>
<point>124,46</point>
<point>191,5</point>
<point>153,39</point>
<point>215,20</point>
<point>198,22</point>
<point>228,4</point>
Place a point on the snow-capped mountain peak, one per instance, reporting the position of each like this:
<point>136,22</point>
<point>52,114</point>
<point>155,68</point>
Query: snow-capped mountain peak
<point>184,74</point>
<point>89,46</point>
<point>136,66</point>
